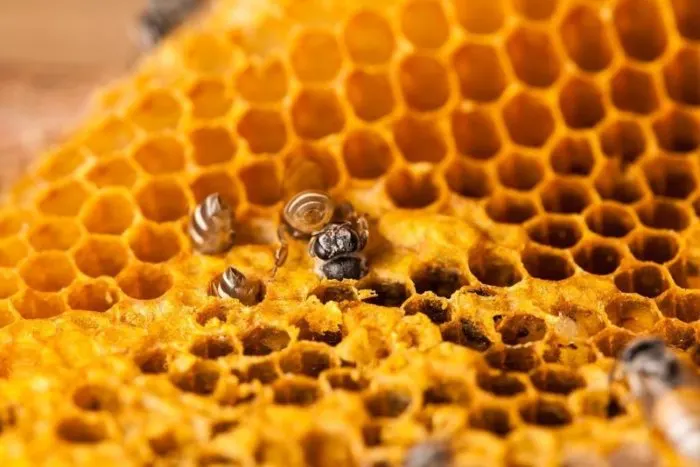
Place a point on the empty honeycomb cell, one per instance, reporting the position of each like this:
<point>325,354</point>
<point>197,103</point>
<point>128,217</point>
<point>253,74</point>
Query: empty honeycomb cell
<point>54,234</point>
<point>212,145</point>
<point>200,378</point>
<point>367,155</point>
<point>408,189</point>
<point>447,390</point>
<point>315,56</point>
<point>483,83</point>
<point>438,311</point>
<point>97,295</point>
<point>687,15</point>
<point>316,113</point>
<point>686,272</point>
<point>508,208</point>
<point>623,140</point>
<point>307,359</point>
<point>585,39</point>
<point>573,354</point>
<point>657,247</point>
<point>210,99</point>
<point>334,292</point>
<point>419,140</point>
<point>263,130</point>
<point>492,268</point>
<point>157,110</point>
<point>440,278</point>
<point>152,361</point>
<point>547,265</point>
<point>677,131</point>
<point>670,177</point>
<point>536,10</point>
<point>9,283</point>
<point>266,371</point>
<point>112,134</point>
<point>388,402</point>
<point>581,103</point>
<point>632,313</point>
<point>296,391</point>
<point>475,134</point>
<point>81,430</point>
<point>368,38</point>
<point>94,397</point>
<point>164,444</point>
<point>496,420</point>
<point>48,271</point>
<point>345,379</point>
<point>215,181</point>
<point>160,155</point>
<point>154,243</point>
<point>616,185</point>
<point>12,251</point>
<point>522,45</point>
<point>598,257</point>
<point>565,196</point>
<point>205,53</point>
<point>262,183</point>
<point>467,333</point>
<point>468,179</point>
<point>325,448</point>
<point>681,75</point>
<point>369,94</point>
<point>113,171</point>
<point>675,333</point>
<point>37,305</point>
<point>162,200</point>
<point>213,346</point>
<point>101,256</point>
<point>519,359</point>
<point>554,231</point>
<point>647,281</point>
<point>520,329</point>
<point>601,404</point>
<point>500,384</point>
<point>640,29</point>
<point>572,156</point>
<point>63,198</point>
<point>480,16</point>
<point>263,82</point>
<point>388,293</point>
<point>520,172</point>
<point>528,120</point>
<point>683,306</point>
<point>331,337</point>
<point>110,212</point>
<point>424,23</point>
<point>661,214</point>
<point>544,412</point>
<point>610,220</point>
<point>557,380</point>
<point>61,163</point>
<point>632,90</point>
<point>423,81</point>
<point>144,281</point>
<point>12,221</point>
<point>264,340</point>
<point>309,167</point>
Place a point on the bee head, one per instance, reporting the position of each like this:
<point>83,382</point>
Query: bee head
<point>334,240</point>
<point>650,358</point>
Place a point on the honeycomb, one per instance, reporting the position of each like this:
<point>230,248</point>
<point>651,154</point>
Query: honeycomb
<point>528,170</point>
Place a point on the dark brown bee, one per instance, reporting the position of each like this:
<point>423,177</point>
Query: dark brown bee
<point>431,453</point>
<point>211,226</point>
<point>667,390</point>
<point>232,283</point>
<point>336,233</point>
<point>161,17</point>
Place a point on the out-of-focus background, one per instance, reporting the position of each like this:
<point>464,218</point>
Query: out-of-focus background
<point>53,53</point>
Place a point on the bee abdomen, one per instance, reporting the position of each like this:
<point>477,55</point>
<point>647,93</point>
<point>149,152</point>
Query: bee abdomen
<point>233,284</point>
<point>431,453</point>
<point>678,416</point>
<point>308,211</point>
<point>211,225</point>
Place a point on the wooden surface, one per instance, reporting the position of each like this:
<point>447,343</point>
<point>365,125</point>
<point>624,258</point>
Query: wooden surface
<point>53,53</point>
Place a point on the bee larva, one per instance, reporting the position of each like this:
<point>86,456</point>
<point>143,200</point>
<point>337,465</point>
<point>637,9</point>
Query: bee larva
<point>431,453</point>
<point>211,226</point>
<point>161,17</point>
<point>232,283</point>
<point>667,389</point>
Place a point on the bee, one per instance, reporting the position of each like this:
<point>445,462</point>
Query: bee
<point>430,453</point>
<point>211,226</point>
<point>337,234</point>
<point>161,17</point>
<point>667,390</point>
<point>232,283</point>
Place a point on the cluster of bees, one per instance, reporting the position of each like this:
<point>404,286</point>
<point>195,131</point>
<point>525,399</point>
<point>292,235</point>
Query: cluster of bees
<point>336,235</point>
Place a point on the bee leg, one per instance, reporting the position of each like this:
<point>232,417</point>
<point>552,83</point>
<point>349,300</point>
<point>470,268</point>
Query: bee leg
<point>282,250</point>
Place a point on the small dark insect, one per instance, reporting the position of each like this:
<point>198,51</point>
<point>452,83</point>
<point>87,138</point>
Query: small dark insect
<point>211,226</point>
<point>431,453</point>
<point>161,17</point>
<point>232,283</point>
<point>336,233</point>
<point>667,389</point>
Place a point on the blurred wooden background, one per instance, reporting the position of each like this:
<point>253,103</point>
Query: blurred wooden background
<point>53,53</point>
